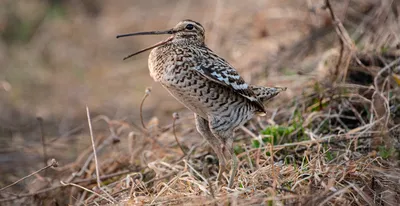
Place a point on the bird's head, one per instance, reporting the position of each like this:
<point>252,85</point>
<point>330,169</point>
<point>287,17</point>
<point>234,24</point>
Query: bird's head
<point>187,32</point>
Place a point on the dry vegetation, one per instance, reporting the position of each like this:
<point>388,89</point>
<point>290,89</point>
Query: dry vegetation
<point>332,139</point>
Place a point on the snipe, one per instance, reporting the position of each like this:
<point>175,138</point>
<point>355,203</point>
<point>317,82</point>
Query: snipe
<point>207,85</point>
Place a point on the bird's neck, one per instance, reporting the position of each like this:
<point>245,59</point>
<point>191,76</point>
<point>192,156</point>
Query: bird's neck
<point>187,40</point>
<point>158,58</point>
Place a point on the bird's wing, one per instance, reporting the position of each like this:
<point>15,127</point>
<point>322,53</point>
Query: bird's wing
<point>220,71</point>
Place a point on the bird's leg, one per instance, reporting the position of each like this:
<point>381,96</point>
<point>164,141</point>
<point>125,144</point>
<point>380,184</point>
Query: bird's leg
<point>228,151</point>
<point>203,128</point>
<point>225,134</point>
<point>234,170</point>
<point>221,167</point>
<point>222,161</point>
<point>222,143</point>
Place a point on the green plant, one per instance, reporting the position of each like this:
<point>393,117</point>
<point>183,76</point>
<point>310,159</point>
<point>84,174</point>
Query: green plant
<point>385,153</point>
<point>238,149</point>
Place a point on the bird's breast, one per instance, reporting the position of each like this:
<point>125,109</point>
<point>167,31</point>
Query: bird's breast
<point>157,61</point>
<point>169,61</point>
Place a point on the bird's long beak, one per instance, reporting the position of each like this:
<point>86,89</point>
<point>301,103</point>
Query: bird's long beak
<point>149,33</point>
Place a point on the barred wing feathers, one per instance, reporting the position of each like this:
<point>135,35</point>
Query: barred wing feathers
<point>218,70</point>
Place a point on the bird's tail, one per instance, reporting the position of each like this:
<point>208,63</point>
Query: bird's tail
<point>266,93</point>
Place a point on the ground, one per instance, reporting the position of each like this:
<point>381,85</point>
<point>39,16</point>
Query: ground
<point>331,139</point>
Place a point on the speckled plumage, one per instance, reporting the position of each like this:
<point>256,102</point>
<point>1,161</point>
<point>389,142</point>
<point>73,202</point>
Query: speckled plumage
<point>178,68</point>
<point>207,85</point>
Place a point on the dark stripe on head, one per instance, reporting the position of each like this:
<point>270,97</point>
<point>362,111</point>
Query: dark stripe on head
<point>197,23</point>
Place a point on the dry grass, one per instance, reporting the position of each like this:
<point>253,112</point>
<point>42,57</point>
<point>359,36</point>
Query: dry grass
<point>331,145</point>
<point>332,139</point>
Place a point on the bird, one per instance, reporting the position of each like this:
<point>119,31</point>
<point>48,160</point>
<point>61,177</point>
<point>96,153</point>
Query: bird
<point>207,85</point>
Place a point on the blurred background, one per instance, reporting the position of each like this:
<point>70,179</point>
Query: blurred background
<point>57,56</point>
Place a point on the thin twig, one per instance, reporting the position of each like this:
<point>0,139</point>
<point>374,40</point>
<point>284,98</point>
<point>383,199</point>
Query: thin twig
<point>146,94</point>
<point>326,139</point>
<point>175,116</point>
<point>384,69</point>
<point>247,131</point>
<point>81,199</point>
<point>31,194</point>
<point>248,158</point>
<point>166,186</point>
<point>332,195</point>
<point>195,171</point>
<point>274,176</point>
<point>343,39</point>
<point>211,189</point>
<point>53,163</point>
<point>94,147</point>
<point>94,153</point>
<point>59,186</point>
<point>88,190</point>
<point>103,177</point>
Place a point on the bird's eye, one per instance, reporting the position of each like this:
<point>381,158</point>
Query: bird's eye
<point>189,26</point>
